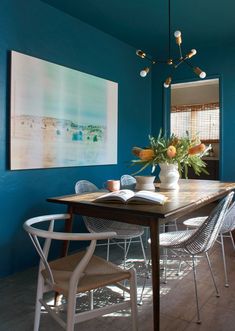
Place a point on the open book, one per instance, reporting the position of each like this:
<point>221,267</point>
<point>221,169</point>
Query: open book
<point>128,196</point>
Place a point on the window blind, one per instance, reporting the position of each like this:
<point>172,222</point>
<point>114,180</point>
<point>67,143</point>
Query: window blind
<point>200,119</point>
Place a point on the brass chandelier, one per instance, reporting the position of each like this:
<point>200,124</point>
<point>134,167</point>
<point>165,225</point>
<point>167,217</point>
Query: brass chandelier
<point>174,63</point>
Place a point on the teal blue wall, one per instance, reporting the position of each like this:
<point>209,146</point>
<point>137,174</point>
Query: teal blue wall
<point>34,28</point>
<point>217,61</point>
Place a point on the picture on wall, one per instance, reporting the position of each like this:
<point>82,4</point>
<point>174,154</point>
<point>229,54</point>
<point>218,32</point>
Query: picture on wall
<point>60,117</point>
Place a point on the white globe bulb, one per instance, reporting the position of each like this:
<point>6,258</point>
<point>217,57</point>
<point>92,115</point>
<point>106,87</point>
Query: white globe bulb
<point>193,51</point>
<point>177,34</point>
<point>202,74</point>
<point>143,73</point>
<point>166,85</point>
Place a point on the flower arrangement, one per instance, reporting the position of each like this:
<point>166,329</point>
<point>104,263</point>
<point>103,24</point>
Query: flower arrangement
<point>185,152</point>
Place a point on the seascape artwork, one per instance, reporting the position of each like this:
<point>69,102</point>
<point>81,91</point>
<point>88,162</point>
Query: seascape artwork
<point>60,117</point>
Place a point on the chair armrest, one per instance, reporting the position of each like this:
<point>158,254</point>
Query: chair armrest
<point>69,236</point>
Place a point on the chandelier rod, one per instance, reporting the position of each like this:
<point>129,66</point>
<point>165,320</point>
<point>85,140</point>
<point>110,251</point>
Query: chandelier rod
<point>169,29</point>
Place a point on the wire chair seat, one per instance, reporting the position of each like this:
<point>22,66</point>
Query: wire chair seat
<point>227,227</point>
<point>201,239</point>
<point>176,239</point>
<point>123,230</point>
<point>197,241</point>
<point>195,222</point>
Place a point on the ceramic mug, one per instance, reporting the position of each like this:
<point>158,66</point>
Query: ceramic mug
<point>112,185</point>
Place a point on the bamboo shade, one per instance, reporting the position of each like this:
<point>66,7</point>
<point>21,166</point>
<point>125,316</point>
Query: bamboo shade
<point>196,119</point>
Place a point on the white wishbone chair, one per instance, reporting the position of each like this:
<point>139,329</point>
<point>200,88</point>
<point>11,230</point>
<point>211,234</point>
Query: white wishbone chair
<point>77,273</point>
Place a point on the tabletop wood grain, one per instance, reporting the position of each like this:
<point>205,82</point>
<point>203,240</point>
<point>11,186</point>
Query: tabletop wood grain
<point>192,194</point>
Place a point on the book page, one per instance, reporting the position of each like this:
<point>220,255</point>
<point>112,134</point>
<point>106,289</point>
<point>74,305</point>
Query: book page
<point>148,197</point>
<point>117,196</point>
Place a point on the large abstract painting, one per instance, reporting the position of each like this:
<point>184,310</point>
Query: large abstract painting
<point>60,117</point>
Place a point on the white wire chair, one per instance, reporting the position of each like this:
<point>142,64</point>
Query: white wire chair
<point>124,231</point>
<point>77,273</point>
<point>127,182</point>
<point>198,241</point>
<point>226,231</point>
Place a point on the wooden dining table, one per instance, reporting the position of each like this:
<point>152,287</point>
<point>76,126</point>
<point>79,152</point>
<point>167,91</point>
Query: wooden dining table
<point>191,195</point>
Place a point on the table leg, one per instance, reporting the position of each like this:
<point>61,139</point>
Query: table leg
<point>154,235</point>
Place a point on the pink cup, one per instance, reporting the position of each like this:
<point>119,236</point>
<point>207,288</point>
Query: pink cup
<point>113,185</point>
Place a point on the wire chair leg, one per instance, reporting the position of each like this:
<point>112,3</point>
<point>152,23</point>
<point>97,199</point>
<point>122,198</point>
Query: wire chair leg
<point>195,286</point>
<point>127,248</point>
<point>224,261</point>
<point>165,253</point>
<point>108,246</point>
<point>147,275</point>
<point>91,299</point>
<point>212,275</point>
<point>124,264</point>
<point>146,237</point>
<point>231,236</point>
<point>179,266</point>
<point>140,302</point>
<point>144,255</point>
<point>176,225</point>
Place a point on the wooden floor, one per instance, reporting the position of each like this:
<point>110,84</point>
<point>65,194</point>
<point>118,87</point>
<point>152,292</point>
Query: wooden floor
<point>177,300</point>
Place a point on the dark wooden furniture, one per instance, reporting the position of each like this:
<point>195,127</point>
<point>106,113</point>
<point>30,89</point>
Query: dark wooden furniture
<point>212,168</point>
<point>192,195</point>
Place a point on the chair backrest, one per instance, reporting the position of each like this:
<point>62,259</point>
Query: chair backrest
<point>229,220</point>
<point>127,182</point>
<point>43,247</point>
<point>84,186</point>
<point>93,224</point>
<point>205,236</point>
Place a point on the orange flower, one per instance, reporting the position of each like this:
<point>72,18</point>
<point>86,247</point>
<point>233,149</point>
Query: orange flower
<point>171,151</point>
<point>146,154</point>
<point>197,149</point>
<point>136,151</point>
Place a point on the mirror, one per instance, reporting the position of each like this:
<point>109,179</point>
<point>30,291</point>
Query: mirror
<point>195,107</point>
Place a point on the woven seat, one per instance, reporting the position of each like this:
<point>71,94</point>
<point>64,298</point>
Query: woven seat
<point>198,241</point>
<point>76,273</point>
<point>98,273</point>
<point>227,227</point>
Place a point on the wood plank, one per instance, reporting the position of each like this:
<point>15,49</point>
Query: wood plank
<point>192,194</point>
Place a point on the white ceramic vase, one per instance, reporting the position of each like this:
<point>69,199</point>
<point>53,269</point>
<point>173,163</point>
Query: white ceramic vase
<point>145,183</point>
<point>169,176</point>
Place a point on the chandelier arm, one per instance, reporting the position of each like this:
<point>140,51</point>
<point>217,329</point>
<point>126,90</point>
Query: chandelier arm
<point>175,63</point>
<point>179,63</point>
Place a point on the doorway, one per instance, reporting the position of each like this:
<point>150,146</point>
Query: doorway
<point>195,107</point>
